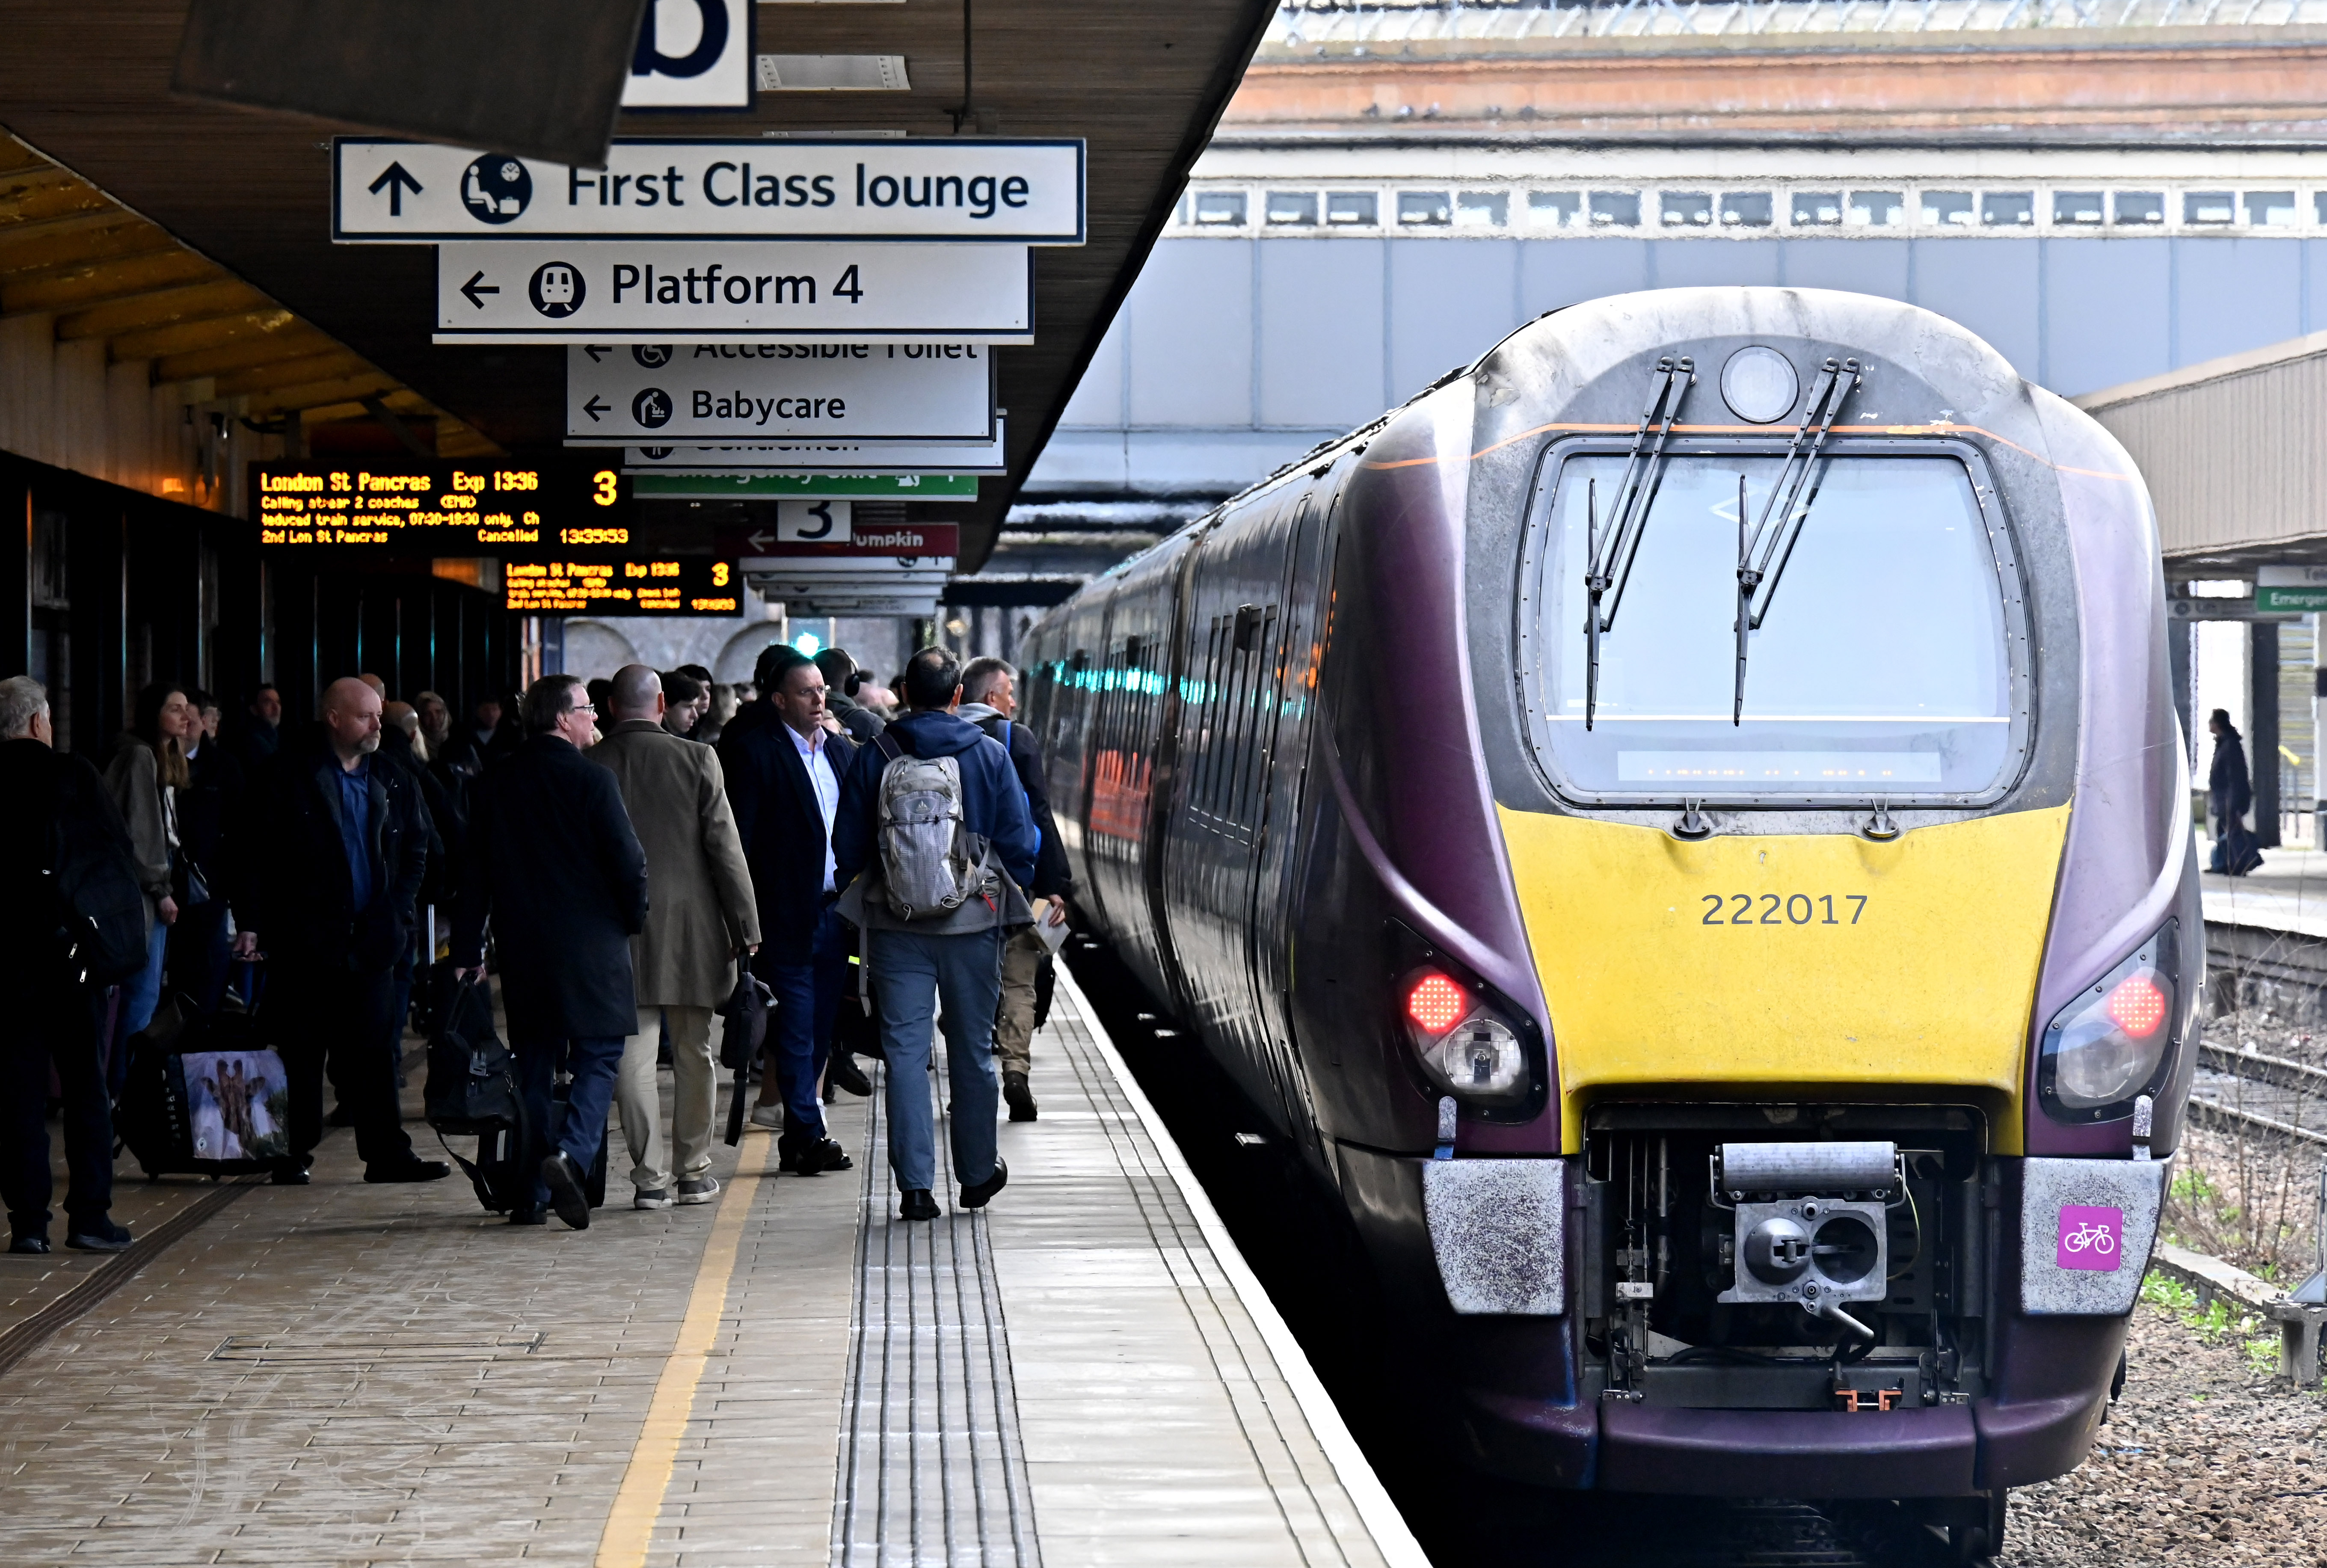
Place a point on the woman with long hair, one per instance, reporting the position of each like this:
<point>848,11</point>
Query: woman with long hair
<point>148,768</point>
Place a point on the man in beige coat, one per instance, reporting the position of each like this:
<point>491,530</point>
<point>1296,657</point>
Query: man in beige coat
<point>700,914</point>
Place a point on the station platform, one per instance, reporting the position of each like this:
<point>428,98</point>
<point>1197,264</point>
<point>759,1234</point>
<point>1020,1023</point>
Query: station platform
<point>1086,1373</point>
<point>2288,893</point>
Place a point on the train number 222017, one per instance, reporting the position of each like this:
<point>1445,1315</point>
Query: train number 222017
<point>1791,910</point>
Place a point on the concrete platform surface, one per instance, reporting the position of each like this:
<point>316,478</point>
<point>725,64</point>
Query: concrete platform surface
<point>1085,1373</point>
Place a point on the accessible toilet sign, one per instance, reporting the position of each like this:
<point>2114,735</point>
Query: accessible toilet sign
<point>620,292</point>
<point>964,190</point>
<point>765,391</point>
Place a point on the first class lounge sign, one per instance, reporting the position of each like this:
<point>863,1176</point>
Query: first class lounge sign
<point>386,191</point>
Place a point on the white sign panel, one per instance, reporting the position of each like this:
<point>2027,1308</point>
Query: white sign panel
<point>849,584</point>
<point>723,391</point>
<point>972,190</point>
<point>825,456</point>
<point>611,292</point>
<point>692,54</point>
<point>818,522</point>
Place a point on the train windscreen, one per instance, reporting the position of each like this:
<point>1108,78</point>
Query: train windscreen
<point>1878,665</point>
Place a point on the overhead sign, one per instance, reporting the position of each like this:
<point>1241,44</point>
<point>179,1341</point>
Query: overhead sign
<point>839,581</point>
<point>757,486</point>
<point>794,535</point>
<point>609,292</point>
<point>603,584</point>
<point>967,190</point>
<point>2296,590</point>
<point>969,457</point>
<point>692,54</point>
<point>440,508</point>
<point>720,391</point>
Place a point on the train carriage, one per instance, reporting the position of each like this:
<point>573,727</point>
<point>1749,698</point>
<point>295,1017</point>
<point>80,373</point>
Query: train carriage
<point>1684,826</point>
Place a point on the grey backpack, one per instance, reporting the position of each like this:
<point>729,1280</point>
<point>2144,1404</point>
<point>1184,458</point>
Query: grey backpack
<point>930,865</point>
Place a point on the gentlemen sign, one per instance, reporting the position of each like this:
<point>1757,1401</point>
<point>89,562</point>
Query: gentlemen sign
<point>961,458</point>
<point>610,291</point>
<point>442,508</point>
<point>872,392</point>
<point>970,189</point>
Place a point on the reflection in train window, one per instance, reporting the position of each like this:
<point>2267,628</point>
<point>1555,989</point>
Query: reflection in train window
<point>1481,209</point>
<point>1684,209</point>
<point>1746,210</point>
<point>2138,208</point>
<point>1295,207</point>
<point>1425,209</point>
<point>1851,687</point>
<point>1947,209</point>
<point>1615,209</point>
<point>2208,207</point>
<point>2271,208</point>
<point>2077,207</point>
<point>1556,208</point>
<point>1818,209</point>
<point>2008,209</point>
<point>1357,207</point>
<point>1877,209</point>
<point>1222,208</point>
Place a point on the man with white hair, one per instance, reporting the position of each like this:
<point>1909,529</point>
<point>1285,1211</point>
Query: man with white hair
<point>65,862</point>
<point>338,850</point>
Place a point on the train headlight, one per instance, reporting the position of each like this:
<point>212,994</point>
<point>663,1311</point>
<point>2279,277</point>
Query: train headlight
<point>2109,1045</point>
<point>1464,1048</point>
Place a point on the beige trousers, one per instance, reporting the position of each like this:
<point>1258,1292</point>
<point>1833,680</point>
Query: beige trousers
<point>696,1093</point>
<point>1014,1019</point>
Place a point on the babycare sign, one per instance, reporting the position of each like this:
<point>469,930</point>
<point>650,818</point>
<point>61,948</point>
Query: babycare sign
<point>885,392</point>
<point>969,190</point>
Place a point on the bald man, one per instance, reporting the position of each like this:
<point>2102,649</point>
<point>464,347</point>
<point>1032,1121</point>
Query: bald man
<point>339,846</point>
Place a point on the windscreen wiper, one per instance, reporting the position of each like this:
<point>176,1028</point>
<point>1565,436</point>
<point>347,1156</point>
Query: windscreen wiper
<point>1762,554</point>
<point>1611,553</point>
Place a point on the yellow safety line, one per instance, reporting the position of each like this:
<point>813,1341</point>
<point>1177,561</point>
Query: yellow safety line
<point>629,1526</point>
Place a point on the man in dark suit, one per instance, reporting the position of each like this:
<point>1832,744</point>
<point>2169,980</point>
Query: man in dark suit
<point>552,860</point>
<point>783,772</point>
<point>339,847</point>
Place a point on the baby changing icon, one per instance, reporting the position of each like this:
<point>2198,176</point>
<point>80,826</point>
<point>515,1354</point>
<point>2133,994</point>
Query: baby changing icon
<point>496,187</point>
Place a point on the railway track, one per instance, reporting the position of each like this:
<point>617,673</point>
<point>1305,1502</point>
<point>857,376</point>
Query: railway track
<point>2254,1091</point>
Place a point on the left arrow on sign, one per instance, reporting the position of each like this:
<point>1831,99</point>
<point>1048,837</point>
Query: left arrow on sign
<point>396,179</point>
<point>595,406</point>
<point>477,287</point>
<point>595,351</point>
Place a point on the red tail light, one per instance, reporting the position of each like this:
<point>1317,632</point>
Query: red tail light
<point>2137,1005</point>
<point>1437,1003</point>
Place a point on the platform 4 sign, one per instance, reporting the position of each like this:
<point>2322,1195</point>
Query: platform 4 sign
<point>609,293</point>
<point>971,190</point>
<point>440,508</point>
<point>603,584</point>
<point>871,392</point>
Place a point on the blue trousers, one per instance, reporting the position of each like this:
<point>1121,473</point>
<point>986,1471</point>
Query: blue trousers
<point>141,998</point>
<point>591,1060</point>
<point>800,1036</point>
<point>911,973</point>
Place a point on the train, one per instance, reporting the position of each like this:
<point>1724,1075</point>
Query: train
<point>1683,827</point>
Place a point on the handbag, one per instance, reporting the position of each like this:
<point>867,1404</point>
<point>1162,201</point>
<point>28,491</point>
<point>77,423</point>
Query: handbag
<point>743,1029</point>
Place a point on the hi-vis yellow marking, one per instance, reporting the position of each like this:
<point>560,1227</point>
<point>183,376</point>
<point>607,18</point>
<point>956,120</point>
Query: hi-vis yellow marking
<point>1931,987</point>
<point>629,1526</point>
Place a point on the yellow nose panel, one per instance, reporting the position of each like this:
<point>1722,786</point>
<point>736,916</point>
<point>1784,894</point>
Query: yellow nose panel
<point>1802,960</point>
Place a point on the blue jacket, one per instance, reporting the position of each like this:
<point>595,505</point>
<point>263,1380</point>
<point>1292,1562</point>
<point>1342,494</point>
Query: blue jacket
<point>992,801</point>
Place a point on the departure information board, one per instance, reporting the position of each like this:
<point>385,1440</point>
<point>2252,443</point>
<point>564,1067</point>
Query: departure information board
<point>623,585</point>
<point>441,509</point>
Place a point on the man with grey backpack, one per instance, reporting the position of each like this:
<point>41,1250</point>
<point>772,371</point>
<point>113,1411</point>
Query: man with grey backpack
<point>933,845</point>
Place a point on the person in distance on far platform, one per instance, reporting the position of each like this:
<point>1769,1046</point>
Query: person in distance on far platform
<point>61,839</point>
<point>957,955</point>
<point>338,845</point>
<point>700,920</point>
<point>990,701</point>
<point>784,771</point>
<point>553,862</point>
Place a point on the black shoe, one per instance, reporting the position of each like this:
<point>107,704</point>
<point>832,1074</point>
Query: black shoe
<point>528,1216</point>
<point>291,1176</point>
<point>917,1204</point>
<point>788,1150</point>
<point>98,1235</point>
<point>843,1073</point>
<point>564,1180</point>
<point>340,1117</point>
<point>825,1154</point>
<point>1021,1098</point>
<point>30,1246</point>
<point>410,1169</point>
<point>979,1194</point>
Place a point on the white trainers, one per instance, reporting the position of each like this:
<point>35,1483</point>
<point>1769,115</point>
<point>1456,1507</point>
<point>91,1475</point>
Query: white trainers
<point>768,1116</point>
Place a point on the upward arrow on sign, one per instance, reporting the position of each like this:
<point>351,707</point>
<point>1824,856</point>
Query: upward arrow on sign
<point>398,180</point>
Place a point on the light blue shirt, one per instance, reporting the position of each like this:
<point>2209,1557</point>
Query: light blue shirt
<point>826,785</point>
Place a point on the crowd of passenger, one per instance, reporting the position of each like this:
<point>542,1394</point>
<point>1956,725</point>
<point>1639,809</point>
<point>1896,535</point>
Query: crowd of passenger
<point>616,855</point>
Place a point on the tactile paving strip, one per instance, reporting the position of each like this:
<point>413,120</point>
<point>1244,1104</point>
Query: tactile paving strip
<point>932,1469</point>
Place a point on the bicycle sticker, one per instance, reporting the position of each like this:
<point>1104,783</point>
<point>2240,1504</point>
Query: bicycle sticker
<point>2091,1237</point>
